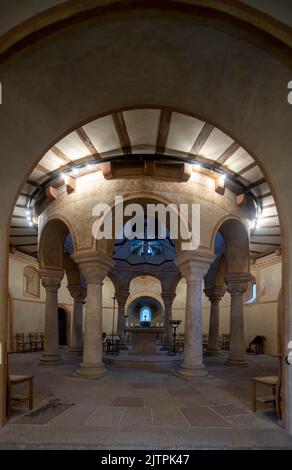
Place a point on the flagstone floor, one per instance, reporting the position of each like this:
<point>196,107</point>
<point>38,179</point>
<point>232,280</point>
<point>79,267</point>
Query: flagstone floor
<point>143,409</point>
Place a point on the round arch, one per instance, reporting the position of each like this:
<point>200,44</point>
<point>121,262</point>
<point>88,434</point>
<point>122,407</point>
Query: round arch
<point>51,243</point>
<point>144,293</point>
<point>64,329</point>
<point>236,239</point>
<point>267,99</point>
<point>142,198</point>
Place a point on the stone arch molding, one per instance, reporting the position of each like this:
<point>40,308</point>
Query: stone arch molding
<point>80,220</point>
<point>51,105</point>
<point>143,293</point>
<point>236,238</point>
<point>51,244</point>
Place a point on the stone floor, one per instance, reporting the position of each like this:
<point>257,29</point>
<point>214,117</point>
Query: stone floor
<point>142,409</point>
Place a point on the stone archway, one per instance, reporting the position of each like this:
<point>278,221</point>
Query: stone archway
<point>237,276</point>
<point>261,62</point>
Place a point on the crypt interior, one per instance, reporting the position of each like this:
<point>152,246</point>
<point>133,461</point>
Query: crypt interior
<point>140,342</point>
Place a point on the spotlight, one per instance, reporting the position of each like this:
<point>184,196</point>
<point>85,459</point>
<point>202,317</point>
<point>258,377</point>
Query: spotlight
<point>28,212</point>
<point>222,179</point>
<point>30,223</point>
<point>220,184</point>
<point>252,224</point>
<point>258,223</point>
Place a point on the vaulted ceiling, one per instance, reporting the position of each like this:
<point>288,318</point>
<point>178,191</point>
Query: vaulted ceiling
<point>147,132</point>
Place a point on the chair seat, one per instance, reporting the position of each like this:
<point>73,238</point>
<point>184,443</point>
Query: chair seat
<point>19,378</point>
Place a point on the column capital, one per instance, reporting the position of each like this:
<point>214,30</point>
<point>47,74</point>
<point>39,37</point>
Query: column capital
<point>94,265</point>
<point>77,291</point>
<point>122,296</point>
<point>215,293</point>
<point>237,283</point>
<point>194,265</point>
<point>51,278</point>
<point>168,297</point>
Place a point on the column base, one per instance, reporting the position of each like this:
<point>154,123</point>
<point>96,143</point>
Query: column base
<point>240,362</point>
<point>193,370</point>
<point>48,359</point>
<point>213,352</point>
<point>76,350</point>
<point>91,371</point>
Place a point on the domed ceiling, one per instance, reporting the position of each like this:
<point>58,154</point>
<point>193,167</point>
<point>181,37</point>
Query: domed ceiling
<point>149,133</point>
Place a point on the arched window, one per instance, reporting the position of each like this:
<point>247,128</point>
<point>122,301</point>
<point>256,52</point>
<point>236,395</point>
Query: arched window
<point>251,293</point>
<point>31,281</point>
<point>145,313</point>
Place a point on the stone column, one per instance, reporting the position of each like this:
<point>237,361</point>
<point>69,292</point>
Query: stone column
<point>94,266</point>
<point>121,297</point>
<point>237,285</point>
<point>194,266</point>
<point>78,293</point>
<point>51,280</point>
<point>168,298</point>
<point>214,294</point>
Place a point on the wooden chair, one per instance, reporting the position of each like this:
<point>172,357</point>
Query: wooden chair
<point>275,383</point>
<point>14,380</point>
<point>224,342</point>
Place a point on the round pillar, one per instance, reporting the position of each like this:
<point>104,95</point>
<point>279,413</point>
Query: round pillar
<point>193,265</point>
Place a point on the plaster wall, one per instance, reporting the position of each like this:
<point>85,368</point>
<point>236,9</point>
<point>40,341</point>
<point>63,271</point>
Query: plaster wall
<point>260,317</point>
<point>160,48</point>
<point>28,310</point>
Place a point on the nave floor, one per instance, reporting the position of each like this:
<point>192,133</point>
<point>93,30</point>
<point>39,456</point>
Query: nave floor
<point>142,409</point>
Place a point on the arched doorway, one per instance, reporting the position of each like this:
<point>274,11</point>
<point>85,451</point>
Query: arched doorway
<point>265,149</point>
<point>62,324</point>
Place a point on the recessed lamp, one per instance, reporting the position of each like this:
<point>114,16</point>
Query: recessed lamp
<point>258,223</point>
<point>222,179</point>
<point>252,224</point>
<point>30,223</point>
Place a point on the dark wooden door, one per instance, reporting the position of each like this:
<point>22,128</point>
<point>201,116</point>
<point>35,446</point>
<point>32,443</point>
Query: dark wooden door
<point>62,327</point>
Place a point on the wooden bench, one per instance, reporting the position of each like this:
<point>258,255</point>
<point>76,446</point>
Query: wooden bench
<point>275,384</point>
<point>15,380</point>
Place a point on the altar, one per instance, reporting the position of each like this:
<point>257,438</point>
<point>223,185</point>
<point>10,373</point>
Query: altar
<point>144,339</point>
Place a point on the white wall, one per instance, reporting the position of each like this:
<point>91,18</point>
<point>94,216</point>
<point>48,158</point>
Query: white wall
<point>28,313</point>
<point>260,318</point>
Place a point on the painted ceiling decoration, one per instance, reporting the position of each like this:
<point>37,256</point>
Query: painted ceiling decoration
<point>160,134</point>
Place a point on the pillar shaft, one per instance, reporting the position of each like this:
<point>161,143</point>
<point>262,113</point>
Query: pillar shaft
<point>215,295</point>
<point>121,297</point>
<point>92,351</point>
<point>168,298</point>
<point>51,354</point>
<point>237,285</point>
<point>194,266</point>
<point>94,266</point>
<point>78,294</point>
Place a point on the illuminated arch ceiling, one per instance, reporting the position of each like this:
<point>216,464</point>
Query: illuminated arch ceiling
<point>150,132</point>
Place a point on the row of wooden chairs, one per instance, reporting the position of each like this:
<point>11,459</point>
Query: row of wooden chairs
<point>224,341</point>
<point>29,342</point>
